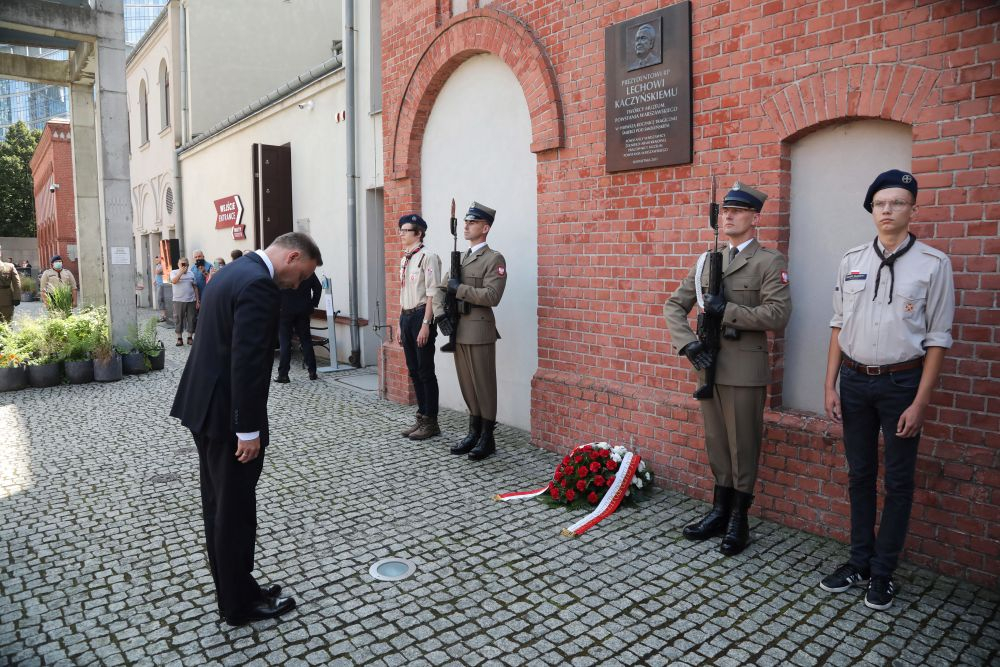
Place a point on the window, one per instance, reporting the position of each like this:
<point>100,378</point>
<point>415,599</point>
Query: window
<point>164,96</point>
<point>143,114</point>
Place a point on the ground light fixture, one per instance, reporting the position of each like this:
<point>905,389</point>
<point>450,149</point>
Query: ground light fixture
<point>392,569</point>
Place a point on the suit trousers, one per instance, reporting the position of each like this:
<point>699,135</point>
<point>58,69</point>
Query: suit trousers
<point>229,508</point>
<point>871,404</point>
<point>420,362</point>
<point>477,378</point>
<point>299,324</point>
<point>734,420</point>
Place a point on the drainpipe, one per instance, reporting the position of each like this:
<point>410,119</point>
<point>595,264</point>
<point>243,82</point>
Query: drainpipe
<point>352,179</point>
<point>178,199</point>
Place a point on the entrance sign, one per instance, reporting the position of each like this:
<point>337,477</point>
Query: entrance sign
<point>228,211</point>
<point>648,90</point>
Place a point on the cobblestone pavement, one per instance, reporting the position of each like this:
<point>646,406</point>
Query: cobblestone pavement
<point>101,559</point>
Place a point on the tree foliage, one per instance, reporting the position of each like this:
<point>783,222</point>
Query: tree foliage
<point>17,202</point>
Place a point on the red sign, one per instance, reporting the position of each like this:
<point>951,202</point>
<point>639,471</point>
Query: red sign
<point>239,232</point>
<point>228,211</point>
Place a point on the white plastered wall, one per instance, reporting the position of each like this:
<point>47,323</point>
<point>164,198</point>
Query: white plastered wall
<point>476,147</point>
<point>831,171</point>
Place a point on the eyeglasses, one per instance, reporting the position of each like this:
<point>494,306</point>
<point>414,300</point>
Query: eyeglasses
<point>895,204</point>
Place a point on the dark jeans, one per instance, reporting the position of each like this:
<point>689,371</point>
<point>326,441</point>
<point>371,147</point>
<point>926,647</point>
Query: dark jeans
<point>870,404</point>
<point>420,362</point>
<point>229,508</point>
<point>300,325</point>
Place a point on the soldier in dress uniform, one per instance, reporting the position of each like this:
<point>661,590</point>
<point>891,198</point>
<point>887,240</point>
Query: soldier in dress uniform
<point>10,290</point>
<point>893,306</point>
<point>755,298</point>
<point>478,289</point>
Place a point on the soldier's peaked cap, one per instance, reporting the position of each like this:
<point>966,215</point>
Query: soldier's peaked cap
<point>481,212</point>
<point>894,178</point>
<point>743,196</point>
<point>413,219</point>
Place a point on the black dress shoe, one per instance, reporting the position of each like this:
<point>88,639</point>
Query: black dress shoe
<point>272,591</point>
<point>264,609</point>
<point>282,379</point>
<point>313,376</point>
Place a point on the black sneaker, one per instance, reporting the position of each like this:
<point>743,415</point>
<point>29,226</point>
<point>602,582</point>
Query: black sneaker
<point>880,593</point>
<point>843,578</point>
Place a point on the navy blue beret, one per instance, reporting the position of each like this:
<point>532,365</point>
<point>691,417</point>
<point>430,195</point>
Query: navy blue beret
<point>413,219</point>
<point>56,258</point>
<point>894,178</point>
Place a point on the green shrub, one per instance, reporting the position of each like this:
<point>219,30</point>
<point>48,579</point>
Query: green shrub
<point>144,339</point>
<point>60,300</point>
<point>28,285</point>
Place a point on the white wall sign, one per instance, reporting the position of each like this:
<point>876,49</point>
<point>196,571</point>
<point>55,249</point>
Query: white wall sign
<point>121,255</point>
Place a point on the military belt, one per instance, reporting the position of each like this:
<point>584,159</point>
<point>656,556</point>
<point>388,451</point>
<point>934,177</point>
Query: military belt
<point>413,311</point>
<point>883,370</point>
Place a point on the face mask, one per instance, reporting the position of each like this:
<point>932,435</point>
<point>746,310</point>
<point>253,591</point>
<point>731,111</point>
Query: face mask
<point>57,266</point>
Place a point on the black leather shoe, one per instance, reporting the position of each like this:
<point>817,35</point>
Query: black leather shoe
<point>714,523</point>
<point>486,445</point>
<point>737,535</point>
<point>469,441</point>
<point>264,609</point>
<point>313,376</point>
<point>282,379</point>
<point>272,591</point>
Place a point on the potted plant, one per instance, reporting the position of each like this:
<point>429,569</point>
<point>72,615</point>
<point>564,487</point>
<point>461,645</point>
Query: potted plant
<point>28,288</point>
<point>13,371</point>
<point>47,345</point>
<point>144,341</point>
<point>81,338</point>
<point>107,360</point>
<point>60,300</point>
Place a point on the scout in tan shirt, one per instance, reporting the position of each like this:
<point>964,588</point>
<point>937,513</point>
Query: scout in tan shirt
<point>52,277</point>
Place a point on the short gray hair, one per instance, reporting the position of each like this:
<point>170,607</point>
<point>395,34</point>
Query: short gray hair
<point>301,242</point>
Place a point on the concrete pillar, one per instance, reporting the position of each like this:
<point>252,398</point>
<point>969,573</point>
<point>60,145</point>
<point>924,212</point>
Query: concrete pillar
<point>115,188</point>
<point>93,286</point>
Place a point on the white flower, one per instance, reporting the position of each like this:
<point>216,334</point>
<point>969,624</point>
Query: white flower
<point>642,466</point>
<point>601,445</point>
<point>637,482</point>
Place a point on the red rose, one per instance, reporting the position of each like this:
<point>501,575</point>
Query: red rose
<point>599,480</point>
<point>595,466</point>
<point>554,492</point>
<point>578,459</point>
<point>611,465</point>
<point>570,495</point>
<point>565,459</point>
<point>592,498</point>
<point>559,475</point>
<point>587,448</point>
<point>582,472</point>
<point>563,482</point>
<point>581,484</point>
<point>605,453</point>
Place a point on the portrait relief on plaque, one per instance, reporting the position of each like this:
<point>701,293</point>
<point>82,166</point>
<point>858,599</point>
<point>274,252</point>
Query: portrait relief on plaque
<point>647,44</point>
<point>648,90</point>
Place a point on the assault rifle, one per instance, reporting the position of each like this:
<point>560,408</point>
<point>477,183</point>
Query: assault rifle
<point>710,326</point>
<point>449,322</point>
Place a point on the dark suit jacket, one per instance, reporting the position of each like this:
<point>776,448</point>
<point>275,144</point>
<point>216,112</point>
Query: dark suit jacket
<point>226,380</point>
<point>302,300</point>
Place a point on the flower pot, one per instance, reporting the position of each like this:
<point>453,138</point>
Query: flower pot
<point>108,370</point>
<point>79,372</point>
<point>45,375</point>
<point>134,363</point>
<point>27,296</point>
<point>157,361</point>
<point>13,378</point>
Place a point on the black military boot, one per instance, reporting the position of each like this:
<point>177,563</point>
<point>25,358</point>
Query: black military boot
<point>714,523</point>
<point>470,440</point>
<point>737,535</point>
<point>486,444</point>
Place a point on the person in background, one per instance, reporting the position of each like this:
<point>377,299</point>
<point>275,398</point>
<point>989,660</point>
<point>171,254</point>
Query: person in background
<point>216,265</point>
<point>200,271</point>
<point>296,308</point>
<point>235,255</point>
<point>10,291</point>
<point>52,277</point>
<point>158,291</point>
<point>186,300</point>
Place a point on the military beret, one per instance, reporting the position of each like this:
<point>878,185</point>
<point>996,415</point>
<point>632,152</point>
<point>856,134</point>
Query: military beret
<point>743,196</point>
<point>413,219</point>
<point>56,258</point>
<point>480,212</point>
<point>894,178</point>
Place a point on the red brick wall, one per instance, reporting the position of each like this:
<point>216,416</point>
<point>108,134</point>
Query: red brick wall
<point>55,213</point>
<point>765,74</point>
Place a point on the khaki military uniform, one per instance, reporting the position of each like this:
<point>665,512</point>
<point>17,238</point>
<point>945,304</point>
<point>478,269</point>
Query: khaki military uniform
<point>50,278</point>
<point>755,285</point>
<point>484,278</point>
<point>10,290</point>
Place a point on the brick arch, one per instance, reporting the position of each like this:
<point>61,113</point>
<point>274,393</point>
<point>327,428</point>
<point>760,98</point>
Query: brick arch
<point>891,92</point>
<point>470,34</point>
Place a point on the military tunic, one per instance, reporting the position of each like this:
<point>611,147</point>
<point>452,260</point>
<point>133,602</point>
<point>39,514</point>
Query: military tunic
<point>756,287</point>
<point>10,290</point>
<point>484,278</point>
<point>50,278</point>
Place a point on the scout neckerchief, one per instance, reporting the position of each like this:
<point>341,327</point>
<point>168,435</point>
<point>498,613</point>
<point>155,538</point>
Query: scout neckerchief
<point>407,256</point>
<point>889,261</point>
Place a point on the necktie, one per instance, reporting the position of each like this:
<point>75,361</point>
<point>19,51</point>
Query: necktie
<point>732,253</point>
<point>889,261</point>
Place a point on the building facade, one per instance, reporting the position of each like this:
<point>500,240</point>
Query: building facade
<point>504,102</point>
<point>55,198</point>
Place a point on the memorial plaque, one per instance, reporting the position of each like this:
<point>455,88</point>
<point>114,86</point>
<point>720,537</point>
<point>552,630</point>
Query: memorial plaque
<point>648,90</point>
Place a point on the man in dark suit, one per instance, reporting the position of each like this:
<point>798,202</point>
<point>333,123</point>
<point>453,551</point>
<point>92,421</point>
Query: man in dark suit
<point>222,399</point>
<point>296,308</point>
